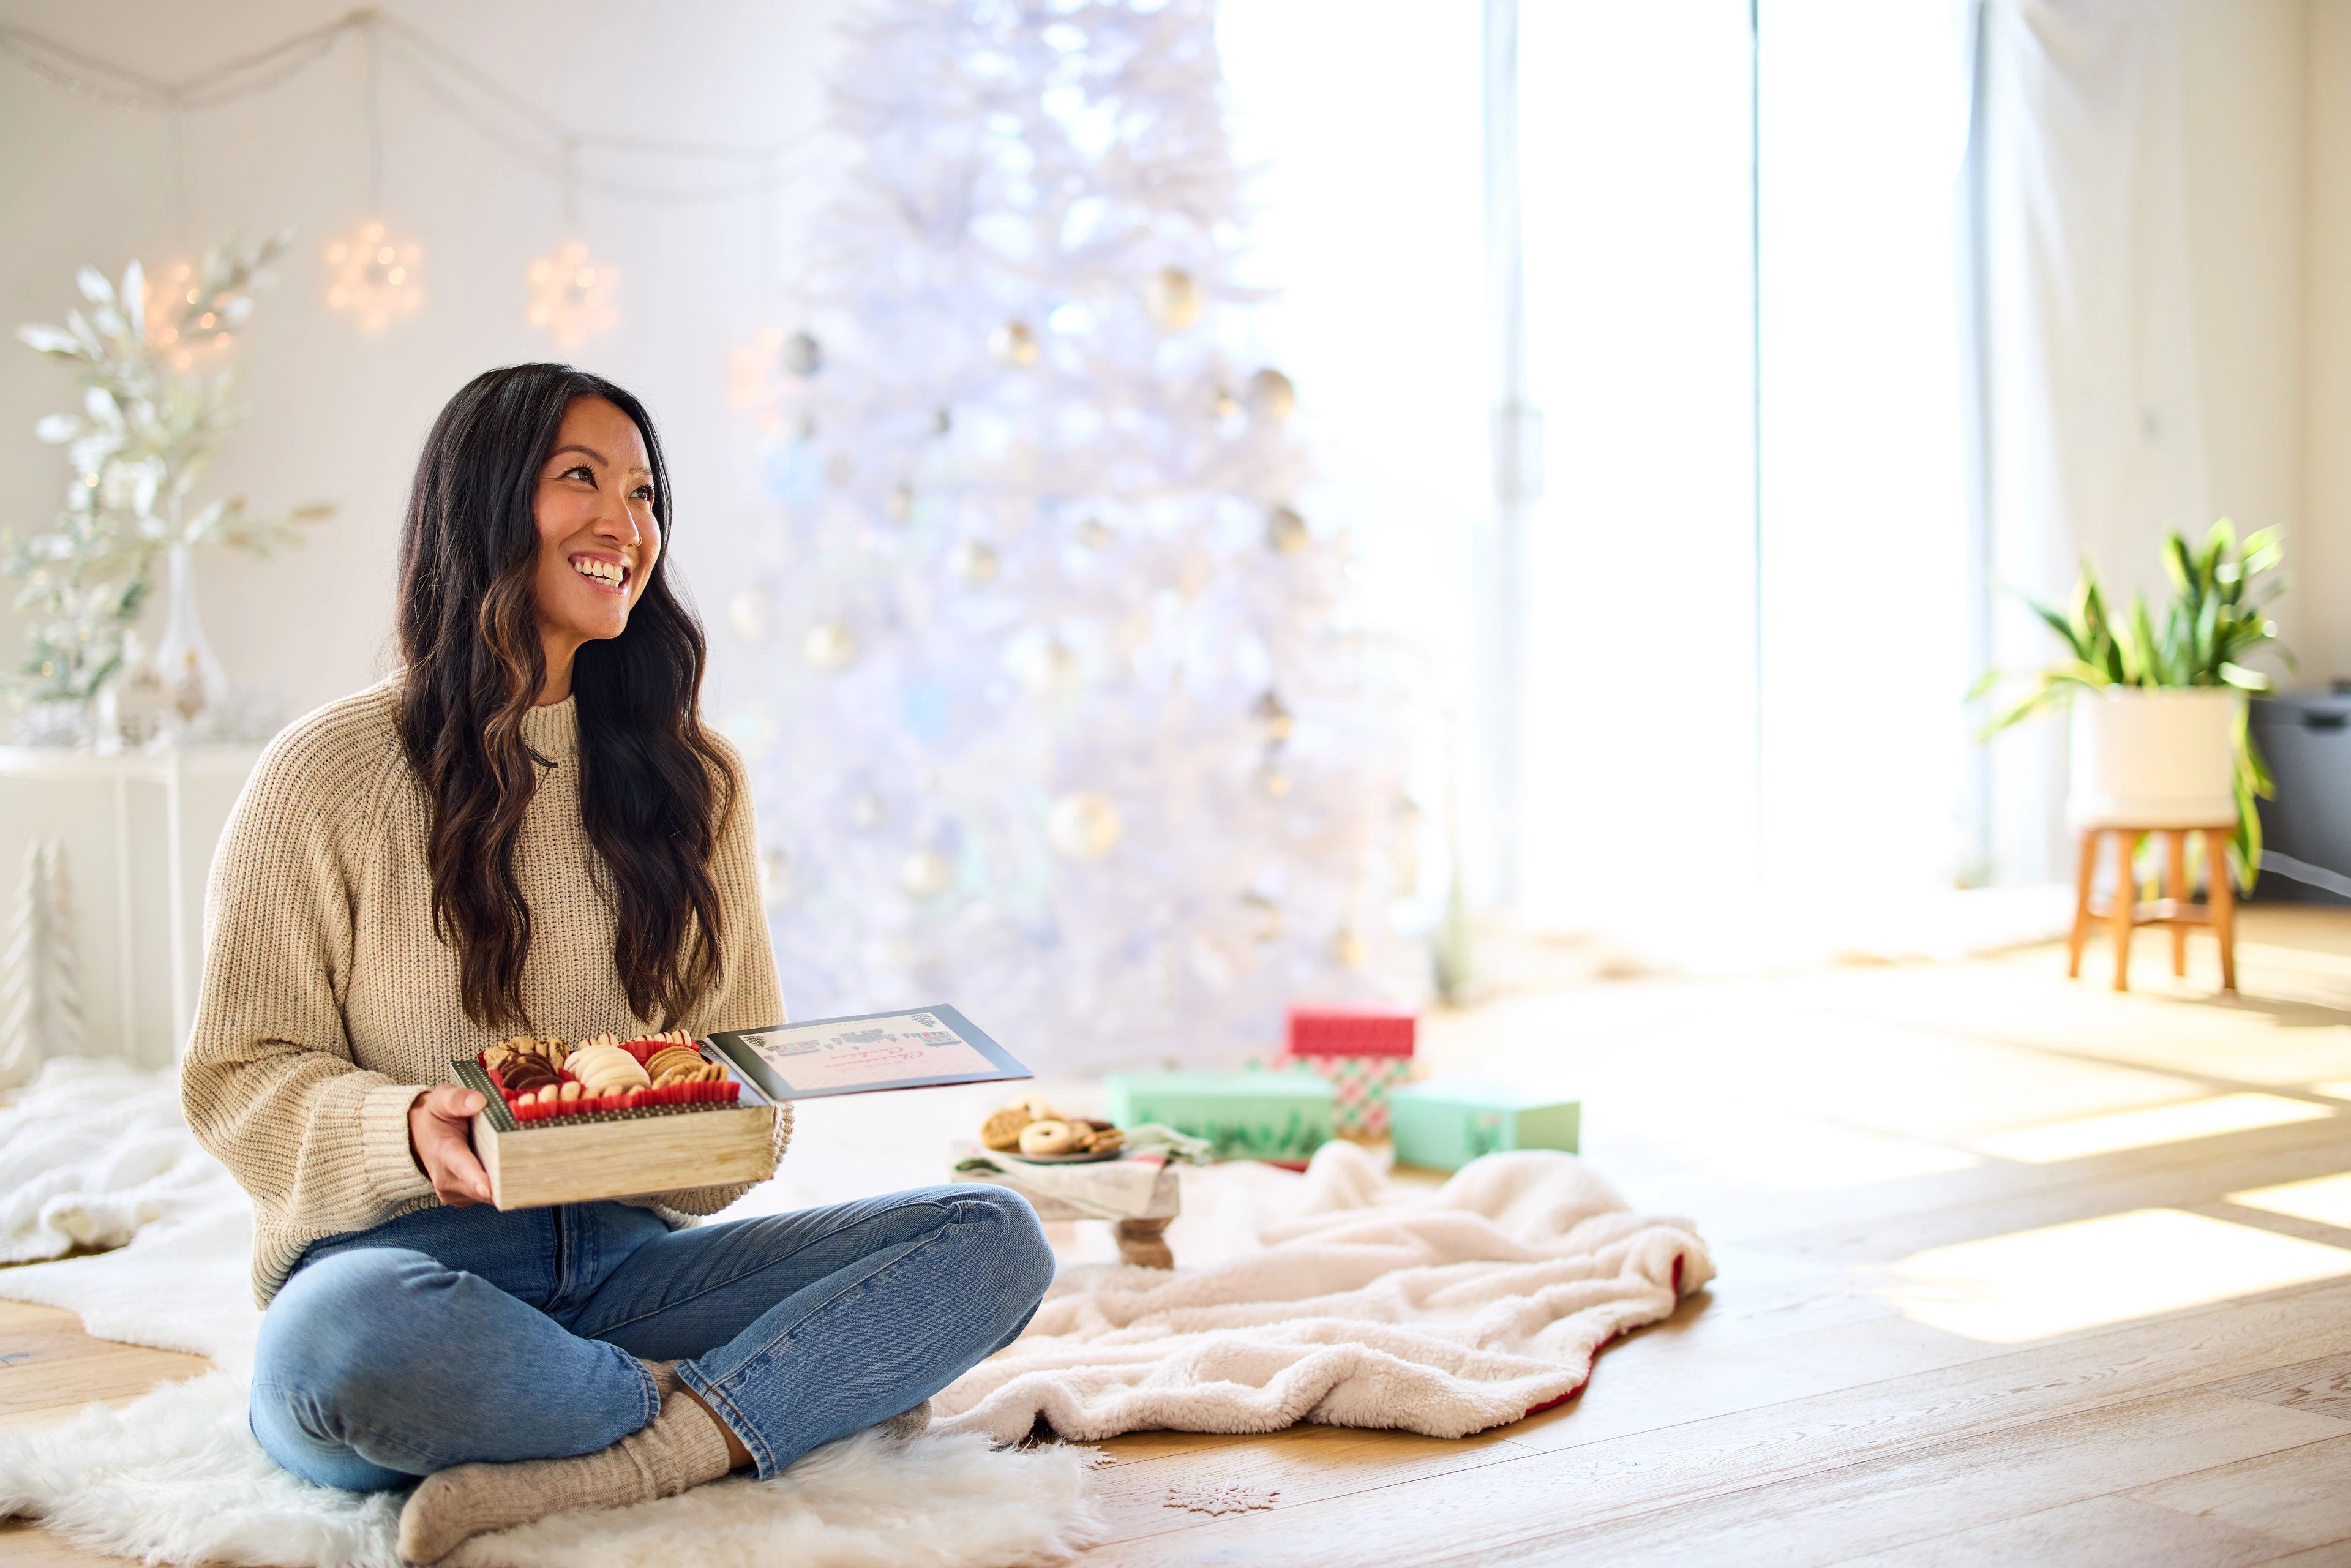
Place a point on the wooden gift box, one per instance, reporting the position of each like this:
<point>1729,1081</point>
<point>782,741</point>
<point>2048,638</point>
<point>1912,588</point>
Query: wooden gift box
<point>1446,1124</point>
<point>619,1154</point>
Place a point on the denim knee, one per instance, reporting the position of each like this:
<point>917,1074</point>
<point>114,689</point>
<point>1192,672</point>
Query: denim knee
<point>325,1332</point>
<point>1024,1256</point>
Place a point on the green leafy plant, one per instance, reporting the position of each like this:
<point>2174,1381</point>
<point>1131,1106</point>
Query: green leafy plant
<point>156,406</point>
<point>2218,615</point>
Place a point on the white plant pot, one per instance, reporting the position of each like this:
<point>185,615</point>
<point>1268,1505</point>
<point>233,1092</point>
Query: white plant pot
<point>2155,758</point>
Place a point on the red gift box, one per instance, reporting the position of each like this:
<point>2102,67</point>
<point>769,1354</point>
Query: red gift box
<point>1350,1031</point>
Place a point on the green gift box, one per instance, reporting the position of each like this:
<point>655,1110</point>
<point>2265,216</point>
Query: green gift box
<point>1244,1115</point>
<point>1446,1124</point>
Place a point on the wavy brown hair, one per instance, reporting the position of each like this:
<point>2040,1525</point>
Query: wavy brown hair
<point>654,791</point>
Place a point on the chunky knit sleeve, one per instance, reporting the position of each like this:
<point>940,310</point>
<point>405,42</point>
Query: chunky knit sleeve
<point>269,1081</point>
<point>747,994</point>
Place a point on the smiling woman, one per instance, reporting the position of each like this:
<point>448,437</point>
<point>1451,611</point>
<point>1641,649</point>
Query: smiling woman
<point>528,829</point>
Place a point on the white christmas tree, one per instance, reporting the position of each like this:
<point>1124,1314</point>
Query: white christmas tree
<point>1056,722</point>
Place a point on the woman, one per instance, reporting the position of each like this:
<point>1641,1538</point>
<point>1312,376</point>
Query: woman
<point>527,829</point>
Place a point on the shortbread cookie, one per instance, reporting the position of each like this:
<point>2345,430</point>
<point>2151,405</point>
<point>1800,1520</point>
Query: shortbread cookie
<point>1001,1132</point>
<point>1049,1137</point>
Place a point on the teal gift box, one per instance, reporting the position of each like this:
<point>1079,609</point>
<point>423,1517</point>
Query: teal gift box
<point>1244,1115</point>
<point>1446,1124</point>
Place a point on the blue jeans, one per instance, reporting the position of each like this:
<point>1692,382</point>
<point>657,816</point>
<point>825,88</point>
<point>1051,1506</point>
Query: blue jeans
<point>453,1335</point>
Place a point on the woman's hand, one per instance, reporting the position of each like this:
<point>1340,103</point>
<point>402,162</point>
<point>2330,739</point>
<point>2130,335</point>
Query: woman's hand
<point>441,1138</point>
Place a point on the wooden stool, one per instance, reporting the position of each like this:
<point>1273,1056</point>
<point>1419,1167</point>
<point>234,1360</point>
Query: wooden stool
<point>2124,913</point>
<point>1141,1241</point>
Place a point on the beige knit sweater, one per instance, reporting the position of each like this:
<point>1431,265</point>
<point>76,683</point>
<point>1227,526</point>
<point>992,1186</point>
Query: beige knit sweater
<point>329,1001</point>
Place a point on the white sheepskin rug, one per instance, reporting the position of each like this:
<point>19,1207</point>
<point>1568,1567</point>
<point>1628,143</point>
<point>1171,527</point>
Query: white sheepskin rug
<point>176,1477</point>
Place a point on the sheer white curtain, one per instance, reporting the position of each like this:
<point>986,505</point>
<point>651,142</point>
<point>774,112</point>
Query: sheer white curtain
<point>2094,434</point>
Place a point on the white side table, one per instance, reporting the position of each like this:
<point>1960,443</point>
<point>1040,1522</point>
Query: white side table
<point>139,829</point>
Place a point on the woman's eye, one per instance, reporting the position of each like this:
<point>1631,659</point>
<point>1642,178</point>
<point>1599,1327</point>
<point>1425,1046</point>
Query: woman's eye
<point>642,493</point>
<point>582,473</point>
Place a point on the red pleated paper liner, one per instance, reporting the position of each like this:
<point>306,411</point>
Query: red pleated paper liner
<point>672,1095</point>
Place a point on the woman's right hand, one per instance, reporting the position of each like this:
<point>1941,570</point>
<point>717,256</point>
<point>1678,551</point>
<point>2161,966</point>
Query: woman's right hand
<point>441,1138</point>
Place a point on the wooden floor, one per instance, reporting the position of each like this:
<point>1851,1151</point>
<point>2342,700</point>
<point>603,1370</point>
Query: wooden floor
<point>2013,1271</point>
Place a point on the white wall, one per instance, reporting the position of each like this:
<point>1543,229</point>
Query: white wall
<point>337,416</point>
<point>2322,611</point>
<point>2245,138</point>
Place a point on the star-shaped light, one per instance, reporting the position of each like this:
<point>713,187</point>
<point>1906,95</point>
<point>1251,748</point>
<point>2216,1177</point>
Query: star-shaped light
<point>374,278</point>
<point>571,295</point>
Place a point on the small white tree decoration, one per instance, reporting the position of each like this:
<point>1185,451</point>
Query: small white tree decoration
<point>40,980</point>
<point>154,409</point>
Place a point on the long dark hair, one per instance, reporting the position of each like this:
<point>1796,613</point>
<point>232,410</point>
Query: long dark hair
<point>654,791</point>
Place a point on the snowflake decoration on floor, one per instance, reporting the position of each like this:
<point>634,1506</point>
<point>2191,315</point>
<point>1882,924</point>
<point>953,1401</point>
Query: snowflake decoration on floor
<point>1221,1497</point>
<point>571,295</point>
<point>375,277</point>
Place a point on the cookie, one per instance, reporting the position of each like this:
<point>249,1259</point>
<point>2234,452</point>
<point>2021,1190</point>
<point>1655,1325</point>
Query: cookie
<point>1048,1136</point>
<point>1001,1132</point>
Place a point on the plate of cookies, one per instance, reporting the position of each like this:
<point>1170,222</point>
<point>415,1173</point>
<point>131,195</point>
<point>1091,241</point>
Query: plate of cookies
<point>1032,1131</point>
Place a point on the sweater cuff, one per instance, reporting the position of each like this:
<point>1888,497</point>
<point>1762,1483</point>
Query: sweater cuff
<point>392,1169</point>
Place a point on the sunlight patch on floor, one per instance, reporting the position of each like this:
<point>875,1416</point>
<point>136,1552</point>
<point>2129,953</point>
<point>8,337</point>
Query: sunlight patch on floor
<point>2031,1284</point>
<point>2118,1130</point>
<point>2337,1091</point>
<point>2326,1199</point>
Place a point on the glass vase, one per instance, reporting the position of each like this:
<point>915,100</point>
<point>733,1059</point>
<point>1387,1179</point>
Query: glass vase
<point>190,673</point>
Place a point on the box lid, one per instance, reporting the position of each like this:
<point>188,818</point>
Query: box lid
<point>1294,1084</point>
<point>1478,1092</point>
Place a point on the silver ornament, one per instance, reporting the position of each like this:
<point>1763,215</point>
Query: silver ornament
<point>1084,826</point>
<point>829,645</point>
<point>925,874</point>
<point>900,503</point>
<point>865,812</point>
<point>974,561</point>
<point>1285,531</point>
<point>1172,299</point>
<point>802,355</point>
<point>1014,344</point>
<point>1271,396</point>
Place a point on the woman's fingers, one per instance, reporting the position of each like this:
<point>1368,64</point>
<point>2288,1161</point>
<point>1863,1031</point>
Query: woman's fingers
<point>445,1144</point>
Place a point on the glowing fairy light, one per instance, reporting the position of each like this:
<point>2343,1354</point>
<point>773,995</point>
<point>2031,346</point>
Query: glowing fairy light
<point>374,276</point>
<point>571,295</point>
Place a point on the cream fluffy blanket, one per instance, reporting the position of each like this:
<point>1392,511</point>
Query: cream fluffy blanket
<point>1443,1313</point>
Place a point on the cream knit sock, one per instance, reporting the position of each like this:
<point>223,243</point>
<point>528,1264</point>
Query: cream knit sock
<point>683,1447</point>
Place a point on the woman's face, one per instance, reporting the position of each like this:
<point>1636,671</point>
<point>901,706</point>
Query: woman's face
<point>598,539</point>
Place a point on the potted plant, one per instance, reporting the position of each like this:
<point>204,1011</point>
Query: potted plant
<point>2159,735</point>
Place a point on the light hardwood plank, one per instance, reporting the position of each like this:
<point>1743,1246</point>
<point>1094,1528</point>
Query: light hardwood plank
<point>2323,1386</point>
<point>2301,1495</point>
<point>2099,1532</point>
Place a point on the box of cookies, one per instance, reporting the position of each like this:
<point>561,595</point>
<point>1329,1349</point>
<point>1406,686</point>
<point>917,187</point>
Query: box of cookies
<point>572,1122</point>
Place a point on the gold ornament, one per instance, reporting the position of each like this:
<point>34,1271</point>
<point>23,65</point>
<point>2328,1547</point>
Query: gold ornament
<point>1347,949</point>
<point>900,504</point>
<point>1275,782</point>
<point>748,614</point>
<point>829,645</point>
<point>925,874</point>
<point>1271,396</point>
<point>571,295</point>
<point>1172,299</point>
<point>374,276</point>
<point>1225,404</point>
<point>1269,712</point>
<point>1266,917</point>
<point>1048,668</point>
<point>974,561</point>
<point>1285,531</point>
<point>1084,826</point>
<point>802,355</point>
<point>1013,344</point>
<point>1094,533</point>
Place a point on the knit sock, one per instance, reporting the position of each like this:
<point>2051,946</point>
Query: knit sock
<point>682,1447</point>
<point>908,1423</point>
<point>667,1381</point>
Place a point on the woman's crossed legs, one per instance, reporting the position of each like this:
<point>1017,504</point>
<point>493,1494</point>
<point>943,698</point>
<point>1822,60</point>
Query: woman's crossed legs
<point>459,1336</point>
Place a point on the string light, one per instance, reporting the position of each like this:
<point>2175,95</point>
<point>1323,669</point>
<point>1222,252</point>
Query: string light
<point>374,276</point>
<point>571,295</point>
<point>168,292</point>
